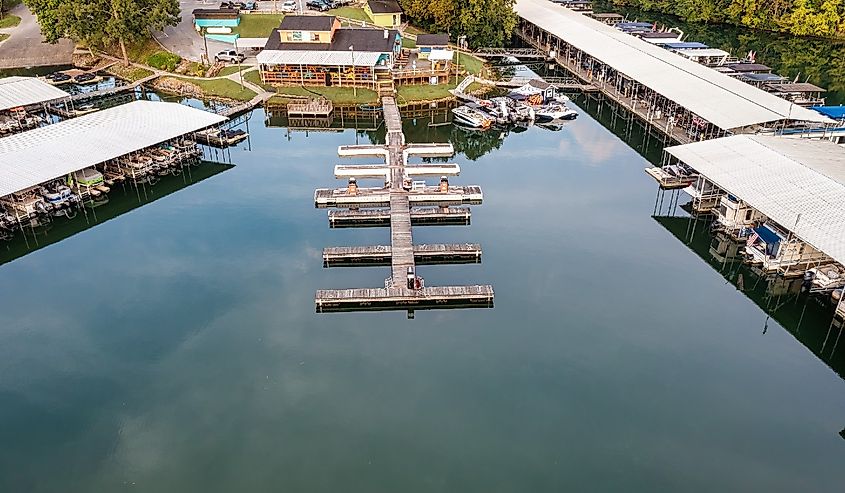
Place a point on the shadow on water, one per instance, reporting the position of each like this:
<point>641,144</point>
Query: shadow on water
<point>807,318</point>
<point>121,200</point>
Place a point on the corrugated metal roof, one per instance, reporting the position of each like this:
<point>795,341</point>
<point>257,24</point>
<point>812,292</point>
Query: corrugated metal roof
<point>799,183</point>
<point>333,58</point>
<point>24,91</point>
<point>698,52</point>
<point>726,102</point>
<point>45,153</point>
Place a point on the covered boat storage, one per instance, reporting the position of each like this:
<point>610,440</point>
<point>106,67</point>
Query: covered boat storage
<point>680,98</point>
<point>101,139</point>
<point>21,98</point>
<point>798,184</point>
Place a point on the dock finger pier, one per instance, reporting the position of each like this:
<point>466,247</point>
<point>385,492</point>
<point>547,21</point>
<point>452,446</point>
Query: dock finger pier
<point>404,200</point>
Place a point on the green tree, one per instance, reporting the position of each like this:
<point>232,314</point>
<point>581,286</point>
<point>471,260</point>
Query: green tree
<point>483,22</point>
<point>104,22</point>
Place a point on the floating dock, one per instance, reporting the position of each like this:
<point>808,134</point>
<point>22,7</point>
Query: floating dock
<point>394,204</point>
<point>421,216</point>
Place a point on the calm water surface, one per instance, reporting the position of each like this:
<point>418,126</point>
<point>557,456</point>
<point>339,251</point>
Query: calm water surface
<point>175,347</point>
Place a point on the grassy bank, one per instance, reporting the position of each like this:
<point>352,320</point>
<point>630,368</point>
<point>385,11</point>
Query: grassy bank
<point>257,25</point>
<point>356,13</point>
<point>9,20</point>
<point>212,88</point>
<point>4,37</point>
<point>130,73</point>
<point>338,95</point>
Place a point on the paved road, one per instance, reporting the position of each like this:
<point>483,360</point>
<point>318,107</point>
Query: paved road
<point>26,46</point>
<point>183,38</point>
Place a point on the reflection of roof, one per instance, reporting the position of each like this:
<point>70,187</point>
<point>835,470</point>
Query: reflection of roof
<point>359,38</point>
<point>384,7</point>
<point>798,183</point>
<point>432,39</point>
<point>307,23</point>
<point>724,101</point>
<point>333,58</point>
<point>46,153</point>
<point>24,91</point>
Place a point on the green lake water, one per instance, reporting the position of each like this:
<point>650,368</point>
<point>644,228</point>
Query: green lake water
<point>170,343</point>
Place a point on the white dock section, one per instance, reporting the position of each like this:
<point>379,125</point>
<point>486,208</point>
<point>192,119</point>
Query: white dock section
<point>375,171</point>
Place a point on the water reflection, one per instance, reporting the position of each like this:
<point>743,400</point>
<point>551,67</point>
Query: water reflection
<point>118,202</point>
<point>808,318</point>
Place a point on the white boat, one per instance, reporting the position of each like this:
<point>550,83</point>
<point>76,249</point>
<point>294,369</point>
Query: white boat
<point>828,276</point>
<point>554,111</point>
<point>471,117</point>
<point>57,195</point>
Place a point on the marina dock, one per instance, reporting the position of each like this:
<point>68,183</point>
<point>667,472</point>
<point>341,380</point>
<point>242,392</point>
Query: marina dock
<point>393,205</point>
<point>678,98</point>
<point>420,216</point>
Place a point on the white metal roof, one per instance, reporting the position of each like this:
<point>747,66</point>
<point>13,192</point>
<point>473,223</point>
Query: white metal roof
<point>441,54</point>
<point>251,42</point>
<point>24,91</point>
<point>45,153</point>
<point>783,178</point>
<point>333,58</point>
<point>726,102</point>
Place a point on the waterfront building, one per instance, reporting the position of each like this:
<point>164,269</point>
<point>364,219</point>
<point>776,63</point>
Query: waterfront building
<point>384,13</point>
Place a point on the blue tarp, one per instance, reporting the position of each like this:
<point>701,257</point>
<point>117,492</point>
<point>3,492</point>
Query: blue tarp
<point>768,236</point>
<point>763,77</point>
<point>835,112</point>
<point>634,24</point>
<point>678,45</point>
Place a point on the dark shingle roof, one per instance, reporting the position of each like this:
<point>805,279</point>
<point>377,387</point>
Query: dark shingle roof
<point>307,23</point>
<point>432,39</point>
<point>361,39</point>
<point>384,6</point>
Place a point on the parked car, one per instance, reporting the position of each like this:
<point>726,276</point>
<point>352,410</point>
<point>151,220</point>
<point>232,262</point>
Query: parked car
<point>318,5</point>
<point>336,4</point>
<point>249,6</point>
<point>231,56</point>
<point>289,6</point>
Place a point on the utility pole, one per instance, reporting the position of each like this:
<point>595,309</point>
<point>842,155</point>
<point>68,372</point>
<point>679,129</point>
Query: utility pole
<point>354,86</point>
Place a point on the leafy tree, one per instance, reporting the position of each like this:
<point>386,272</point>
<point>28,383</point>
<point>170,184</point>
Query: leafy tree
<point>483,22</point>
<point>104,22</point>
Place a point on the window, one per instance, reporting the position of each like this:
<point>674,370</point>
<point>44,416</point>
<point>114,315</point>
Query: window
<point>748,215</point>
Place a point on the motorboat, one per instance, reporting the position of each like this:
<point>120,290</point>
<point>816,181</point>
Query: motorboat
<point>827,277</point>
<point>554,111</point>
<point>88,177</point>
<point>221,138</point>
<point>471,117</point>
<point>57,195</point>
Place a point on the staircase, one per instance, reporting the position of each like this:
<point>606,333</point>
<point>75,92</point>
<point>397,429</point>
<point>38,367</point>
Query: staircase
<point>384,83</point>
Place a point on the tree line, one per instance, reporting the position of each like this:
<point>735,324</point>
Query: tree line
<point>483,22</point>
<point>104,22</point>
<point>824,18</point>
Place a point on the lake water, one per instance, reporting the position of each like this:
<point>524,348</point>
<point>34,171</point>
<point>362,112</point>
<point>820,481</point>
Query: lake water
<point>173,345</point>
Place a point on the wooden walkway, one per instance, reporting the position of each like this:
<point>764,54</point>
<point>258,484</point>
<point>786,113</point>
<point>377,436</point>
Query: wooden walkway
<point>404,289</point>
<point>428,216</point>
<point>111,90</point>
<point>426,254</point>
